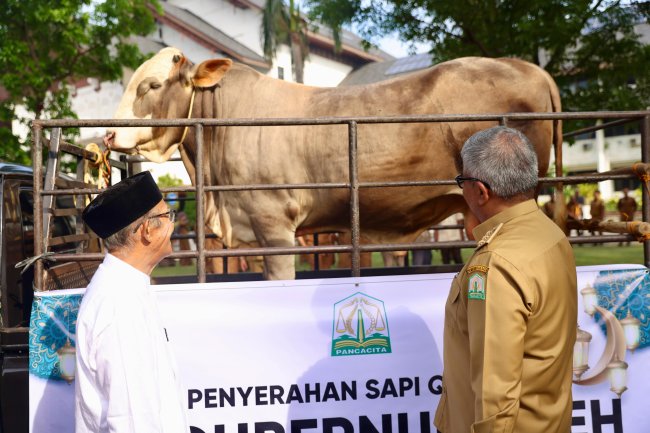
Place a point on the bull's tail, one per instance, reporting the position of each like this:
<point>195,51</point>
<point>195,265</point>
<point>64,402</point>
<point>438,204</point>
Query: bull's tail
<point>560,213</point>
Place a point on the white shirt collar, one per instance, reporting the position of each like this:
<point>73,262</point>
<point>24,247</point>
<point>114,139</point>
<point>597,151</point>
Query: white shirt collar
<point>126,270</point>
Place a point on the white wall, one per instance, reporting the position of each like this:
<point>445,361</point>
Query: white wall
<point>621,151</point>
<point>191,49</point>
<point>91,103</point>
<point>282,59</point>
<point>319,71</point>
<point>243,25</point>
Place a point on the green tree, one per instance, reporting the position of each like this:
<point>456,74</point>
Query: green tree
<point>284,24</point>
<point>46,46</point>
<point>589,47</point>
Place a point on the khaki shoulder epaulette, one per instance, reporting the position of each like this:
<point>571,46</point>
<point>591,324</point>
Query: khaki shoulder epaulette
<point>489,236</point>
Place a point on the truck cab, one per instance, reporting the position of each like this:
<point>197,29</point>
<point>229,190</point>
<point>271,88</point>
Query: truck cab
<point>16,294</point>
<point>16,290</point>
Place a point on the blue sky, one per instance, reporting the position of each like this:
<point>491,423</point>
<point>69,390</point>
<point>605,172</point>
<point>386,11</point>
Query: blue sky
<point>397,48</point>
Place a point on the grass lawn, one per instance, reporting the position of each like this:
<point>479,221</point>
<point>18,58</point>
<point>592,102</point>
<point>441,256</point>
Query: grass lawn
<point>608,254</point>
<point>172,271</point>
<point>585,255</point>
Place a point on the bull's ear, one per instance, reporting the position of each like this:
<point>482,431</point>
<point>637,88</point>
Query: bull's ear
<point>210,72</point>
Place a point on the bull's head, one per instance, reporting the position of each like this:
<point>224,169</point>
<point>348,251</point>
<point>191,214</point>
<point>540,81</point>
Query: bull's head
<point>162,88</point>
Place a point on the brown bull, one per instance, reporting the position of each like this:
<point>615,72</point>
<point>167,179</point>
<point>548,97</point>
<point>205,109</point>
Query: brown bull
<point>164,87</point>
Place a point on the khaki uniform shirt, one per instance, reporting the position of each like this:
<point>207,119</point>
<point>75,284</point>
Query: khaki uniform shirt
<point>597,210</point>
<point>626,208</point>
<point>510,327</point>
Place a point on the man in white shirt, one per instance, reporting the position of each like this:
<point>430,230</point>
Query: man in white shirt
<point>126,375</point>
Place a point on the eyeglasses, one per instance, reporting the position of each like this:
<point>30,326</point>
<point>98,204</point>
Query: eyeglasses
<point>460,179</point>
<point>171,214</point>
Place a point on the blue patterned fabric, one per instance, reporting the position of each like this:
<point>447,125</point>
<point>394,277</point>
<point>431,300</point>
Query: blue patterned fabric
<point>623,290</point>
<point>53,323</point>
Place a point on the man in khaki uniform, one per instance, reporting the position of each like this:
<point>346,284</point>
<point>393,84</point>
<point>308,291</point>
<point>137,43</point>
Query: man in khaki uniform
<point>626,206</point>
<point>597,211</point>
<point>510,319</point>
<point>626,209</point>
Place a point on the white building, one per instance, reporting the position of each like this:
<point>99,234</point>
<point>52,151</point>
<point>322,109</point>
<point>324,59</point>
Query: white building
<point>602,151</point>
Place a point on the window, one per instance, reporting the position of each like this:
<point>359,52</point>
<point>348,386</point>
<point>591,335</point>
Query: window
<point>630,184</point>
<point>27,214</point>
<point>627,129</point>
<point>280,72</point>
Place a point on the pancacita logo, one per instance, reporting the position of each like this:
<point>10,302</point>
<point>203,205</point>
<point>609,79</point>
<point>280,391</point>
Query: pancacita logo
<point>360,326</point>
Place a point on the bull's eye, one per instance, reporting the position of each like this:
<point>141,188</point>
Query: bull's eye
<point>156,85</point>
<point>176,58</point>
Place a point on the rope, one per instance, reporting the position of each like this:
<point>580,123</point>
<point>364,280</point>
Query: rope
<point>189,115</point>
<point>28,262</point>
<point>633,228</point>
<point>102,163</point>
<point>642,173</point>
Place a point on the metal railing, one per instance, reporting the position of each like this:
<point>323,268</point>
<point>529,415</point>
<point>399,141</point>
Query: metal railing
<point>353,184</point>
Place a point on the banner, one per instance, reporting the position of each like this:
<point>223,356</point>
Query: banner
<point>350,355</point>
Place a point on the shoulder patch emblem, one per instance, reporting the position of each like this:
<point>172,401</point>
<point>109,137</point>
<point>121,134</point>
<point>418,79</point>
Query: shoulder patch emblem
<point>477,268</point>
<point>476,286</point>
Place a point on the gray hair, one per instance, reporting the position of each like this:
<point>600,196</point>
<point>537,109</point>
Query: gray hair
<point>125,239</point>
<point>504,158</point>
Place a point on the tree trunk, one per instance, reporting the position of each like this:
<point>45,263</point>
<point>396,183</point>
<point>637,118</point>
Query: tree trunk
<point>297,58</point>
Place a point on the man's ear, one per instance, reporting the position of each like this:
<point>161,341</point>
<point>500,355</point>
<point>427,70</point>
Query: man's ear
<point>484,194</point>
<point>147,231</point>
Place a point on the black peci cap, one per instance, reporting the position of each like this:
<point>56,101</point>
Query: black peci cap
<point>121,204</point>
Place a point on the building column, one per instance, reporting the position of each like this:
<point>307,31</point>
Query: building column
<point>606,187</point>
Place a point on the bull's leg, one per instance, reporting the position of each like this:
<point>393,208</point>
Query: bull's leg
<point>271,232</point>
<point>279,267</point>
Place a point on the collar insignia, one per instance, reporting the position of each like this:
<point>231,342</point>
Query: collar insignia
<point>489,236</point>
